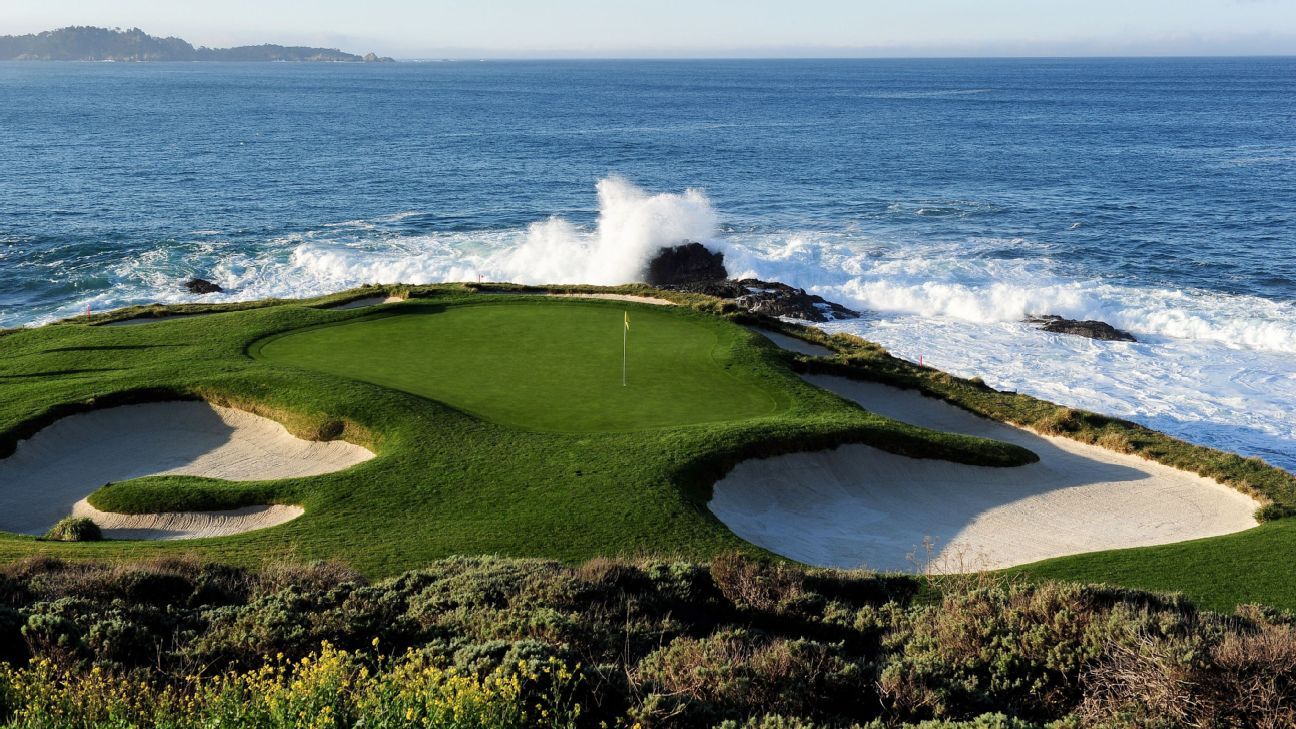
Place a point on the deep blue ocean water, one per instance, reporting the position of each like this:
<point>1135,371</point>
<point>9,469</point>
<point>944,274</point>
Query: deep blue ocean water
<point>946,198</point>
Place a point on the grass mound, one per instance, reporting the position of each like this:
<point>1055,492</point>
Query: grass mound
<point>75,529</point>
<point>153,494</point>
<point>552,366</point>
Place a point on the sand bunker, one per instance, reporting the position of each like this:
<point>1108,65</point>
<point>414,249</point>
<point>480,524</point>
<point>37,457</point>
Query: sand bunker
<point>49,475</point>
<point>618,297</point>
<point>187,524</point>
<point>607,297</point>
<point>366,301</point>
<point>857,506</point>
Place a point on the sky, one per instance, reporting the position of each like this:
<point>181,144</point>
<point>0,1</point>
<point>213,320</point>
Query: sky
<point>697,28</point>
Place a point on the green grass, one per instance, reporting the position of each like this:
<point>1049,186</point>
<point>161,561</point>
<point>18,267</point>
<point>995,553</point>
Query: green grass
<point>521,445</point>
<point>1217,573</point>
<point>543,365</point>
<point>182,493</point>
<point>446,481</point>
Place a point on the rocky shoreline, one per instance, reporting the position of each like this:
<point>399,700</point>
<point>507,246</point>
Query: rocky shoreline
<point>693,268</point>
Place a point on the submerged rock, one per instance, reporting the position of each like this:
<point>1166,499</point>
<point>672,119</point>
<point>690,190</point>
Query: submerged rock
<point>1088,328</point>
<point>202,286</point>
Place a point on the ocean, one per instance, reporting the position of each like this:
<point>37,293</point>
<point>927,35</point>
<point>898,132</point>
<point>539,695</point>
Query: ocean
<point>947,199</point>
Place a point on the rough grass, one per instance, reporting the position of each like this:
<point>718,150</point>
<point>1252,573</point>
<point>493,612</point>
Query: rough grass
<point>74,529</point>
<point>445,482</point>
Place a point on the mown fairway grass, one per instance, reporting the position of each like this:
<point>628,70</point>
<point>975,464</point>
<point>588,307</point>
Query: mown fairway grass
<point>447,481</point>
<point>540,367</point>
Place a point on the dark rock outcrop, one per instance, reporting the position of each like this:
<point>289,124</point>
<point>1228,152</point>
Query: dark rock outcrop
<point>1089,328</point>
<point>683,264</point>
<point>202,286</point>
<point>692,268</point>
<point>780,300</point>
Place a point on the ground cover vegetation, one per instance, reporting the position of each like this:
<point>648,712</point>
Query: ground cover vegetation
<point>738,642</point>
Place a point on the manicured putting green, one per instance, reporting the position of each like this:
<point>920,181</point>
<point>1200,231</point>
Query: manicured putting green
<point>553,366</point>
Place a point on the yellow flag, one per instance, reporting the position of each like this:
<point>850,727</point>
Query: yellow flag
<point>627,320</point>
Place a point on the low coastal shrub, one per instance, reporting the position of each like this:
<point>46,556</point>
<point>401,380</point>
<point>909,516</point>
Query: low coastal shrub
<point>75,529</point>
<point>492,642</point>
<point>703,680</point>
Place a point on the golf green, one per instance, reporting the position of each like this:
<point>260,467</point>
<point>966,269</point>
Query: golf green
<point>548,366</point>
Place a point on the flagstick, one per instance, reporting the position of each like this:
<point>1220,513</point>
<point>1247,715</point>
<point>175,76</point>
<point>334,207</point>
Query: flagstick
<point>625,333</point>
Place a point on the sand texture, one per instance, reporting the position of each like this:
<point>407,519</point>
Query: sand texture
<point>857,506</point>
<point>366,301</point>
<point>52,472</point>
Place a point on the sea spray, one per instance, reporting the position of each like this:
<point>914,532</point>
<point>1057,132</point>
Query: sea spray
<point>632,225</point>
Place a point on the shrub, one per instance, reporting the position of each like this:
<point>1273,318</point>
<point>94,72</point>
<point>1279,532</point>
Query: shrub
<point>75,529</point>
<point>328,688</point>
<point>120,640</point>
<point>1200,679</point>
<point>736,671</point>
<point>312,576</point>
<point>1018,648</point>
<point>1273,512</point>
<point>757,584</point>
<point>752,643</point>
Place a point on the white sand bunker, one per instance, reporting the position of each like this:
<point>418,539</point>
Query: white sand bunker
<point>578,295</point>
<point>857,506</point>
<point>617,297</point>
<point>49,475</point>
<point>365,302</point>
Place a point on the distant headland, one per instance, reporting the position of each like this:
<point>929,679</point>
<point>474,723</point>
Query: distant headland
<point>85,43</point>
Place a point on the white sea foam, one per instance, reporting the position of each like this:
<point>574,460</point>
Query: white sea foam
<point>1211,368</point>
